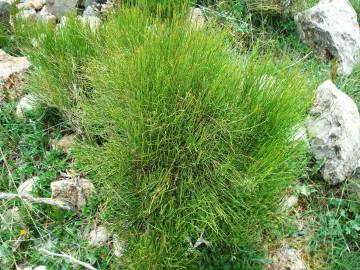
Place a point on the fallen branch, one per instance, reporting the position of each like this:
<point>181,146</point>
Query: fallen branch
<point>27,197</point>
<point>68,257</point>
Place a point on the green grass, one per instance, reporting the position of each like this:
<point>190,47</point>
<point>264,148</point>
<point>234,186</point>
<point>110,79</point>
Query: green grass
<point>25,152</point>
<point>336,227</point>
<point>195,141</point>
<point>58,56</point>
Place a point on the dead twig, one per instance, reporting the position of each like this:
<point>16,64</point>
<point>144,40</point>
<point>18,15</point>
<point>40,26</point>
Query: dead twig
<point>27,197</point>
<point>68,257</point>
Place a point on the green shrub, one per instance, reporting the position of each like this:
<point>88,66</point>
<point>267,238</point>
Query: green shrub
<point>186,140</point>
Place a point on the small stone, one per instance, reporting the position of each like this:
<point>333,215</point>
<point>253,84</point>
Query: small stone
<point>118,246</point>
<point>65,143</point>
<point>12,70</point>
<point>37,4</point>
<point>289,202</point>
<point>197,17</point>
<point>40,267</point>
<point>26,104</point>
<point>98,237</point>
<point>27,186</point>
<point>75,191</point>
<point>287,259</point>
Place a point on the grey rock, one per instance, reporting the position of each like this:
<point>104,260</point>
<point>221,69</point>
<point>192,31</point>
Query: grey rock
<point>26,104</point>
<point>289,202</point>
<point>89,3</point>
<point>65,143</point>
<point>118,246</point>
<point>197,17</point>
<point>12,70</point>
<point>287,259</point>
<point>331,28</point>
<point>37,4</point>
<point>98,237</point>
<point>334,133</point>
<point>75,191</point>
<point>27,186</point>
<point>63,7</point>
<point>89,11</point>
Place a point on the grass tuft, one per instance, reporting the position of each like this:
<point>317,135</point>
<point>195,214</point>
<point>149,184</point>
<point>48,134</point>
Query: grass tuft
<point>186,140</point>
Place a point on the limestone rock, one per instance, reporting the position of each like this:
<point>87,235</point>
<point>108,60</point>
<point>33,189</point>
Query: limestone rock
<point>26,104</point>
<point>334,133</point>
<point>75,191</point>
<point>118,246</point>
<point>287,259</point>
<point>12,70</point>
<point>37,4</point>
<point>89,11</point>
<point>98,237</point>
<point>289,202</point>
<point>197,17</point>
<point>331,28</point>
<point>89,3</point>
<point>24,5</point>
<point>65,143</point>
<point>63,7</point>
<point>46,16</point>
<point>27,186</point>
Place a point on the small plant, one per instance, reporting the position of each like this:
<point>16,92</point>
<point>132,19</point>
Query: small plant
<point>195,143</point>
<point>337,227</point>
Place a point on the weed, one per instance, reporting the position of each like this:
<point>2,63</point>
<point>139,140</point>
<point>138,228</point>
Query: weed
<point>336,226</point>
